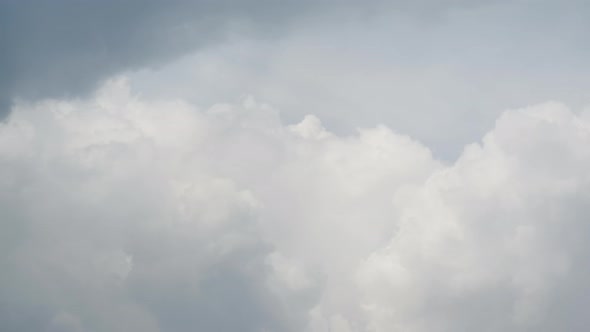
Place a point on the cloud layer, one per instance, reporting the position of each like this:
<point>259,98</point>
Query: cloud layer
<point>497,241</point>
<point>441,73</point>
<point>65,47</point>
<point>122,214</point>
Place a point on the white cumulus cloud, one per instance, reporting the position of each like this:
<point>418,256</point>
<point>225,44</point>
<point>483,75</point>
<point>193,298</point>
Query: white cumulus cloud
<point>121,214</point>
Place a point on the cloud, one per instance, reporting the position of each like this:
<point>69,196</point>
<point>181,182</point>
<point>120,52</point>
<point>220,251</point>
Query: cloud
<point>119,213</point>
<point>113,229</point>
<point>440,73</point>
<point>65,47</point>
<point>496,241</point>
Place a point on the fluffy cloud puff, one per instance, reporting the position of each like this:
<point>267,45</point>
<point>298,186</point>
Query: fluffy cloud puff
<point>495,242</point>
<point>119,214</point>
<point>111,225</point>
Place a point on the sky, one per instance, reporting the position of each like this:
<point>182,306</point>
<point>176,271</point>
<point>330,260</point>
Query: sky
<point>311,165</point>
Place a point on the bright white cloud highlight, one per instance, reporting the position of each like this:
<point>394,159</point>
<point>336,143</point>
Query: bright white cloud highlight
<point>119,214</point>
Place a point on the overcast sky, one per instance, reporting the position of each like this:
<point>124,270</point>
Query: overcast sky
<point>278,165</point>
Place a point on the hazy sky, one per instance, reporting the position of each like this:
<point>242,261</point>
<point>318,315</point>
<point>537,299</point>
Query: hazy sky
<point>260,165</point>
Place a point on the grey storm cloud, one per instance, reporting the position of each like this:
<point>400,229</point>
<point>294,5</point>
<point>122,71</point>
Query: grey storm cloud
<point>63,48</point>
<point>123,214</point>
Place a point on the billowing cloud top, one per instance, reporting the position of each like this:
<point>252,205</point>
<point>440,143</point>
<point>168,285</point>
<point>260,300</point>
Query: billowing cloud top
<point>120,214</point>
